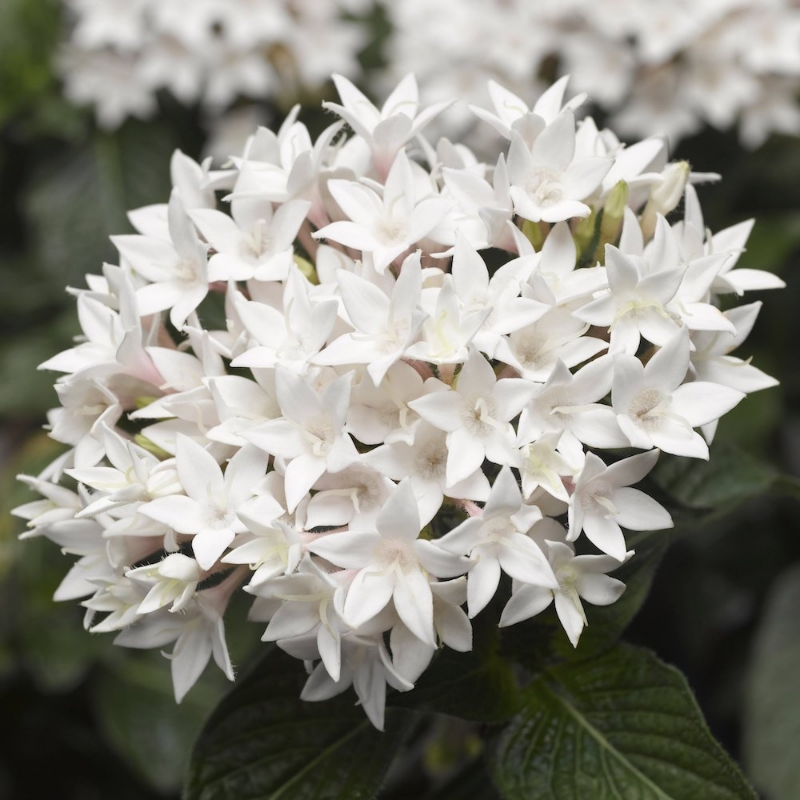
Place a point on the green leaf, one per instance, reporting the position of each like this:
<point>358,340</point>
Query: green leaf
<point>725,480</point>
<point>135,706</point>
<point>541,642</point>
<point>264,743</point>
<point>623,725</point>
<point>772,710</point>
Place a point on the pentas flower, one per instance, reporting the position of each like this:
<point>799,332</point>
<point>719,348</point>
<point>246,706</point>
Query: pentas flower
<point>393,564</point>
<point>579,578</point>
<point>497,541</point>
<point>548,182</point>
<point>386,225</point>
<point>388,422</point>
<point>603,500</point>
<point>476,416</point>
<point>207,512</point>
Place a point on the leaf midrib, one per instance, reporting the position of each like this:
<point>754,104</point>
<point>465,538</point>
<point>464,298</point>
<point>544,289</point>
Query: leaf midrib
<point>314,761</point>
<point>603,741</point>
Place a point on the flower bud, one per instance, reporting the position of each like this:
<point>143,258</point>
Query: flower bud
<point>665,196</point>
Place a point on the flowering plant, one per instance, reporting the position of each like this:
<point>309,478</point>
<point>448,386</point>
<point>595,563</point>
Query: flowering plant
<point>434,383</point>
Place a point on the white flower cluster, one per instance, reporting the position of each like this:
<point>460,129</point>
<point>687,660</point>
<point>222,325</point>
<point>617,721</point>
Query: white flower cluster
<point>119,53</point>
<point>660,68</point>
<point>388,420</point>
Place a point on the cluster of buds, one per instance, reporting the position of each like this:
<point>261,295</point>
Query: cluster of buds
<point>425,372</point>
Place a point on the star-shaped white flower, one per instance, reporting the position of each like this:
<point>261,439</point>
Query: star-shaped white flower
<point>207,511</point>
<point>393,564</point>
<point>497,541</point>
<point>655,408</point>
<point>476,416</point>
<point>603,501</point>
<point>310,436</point>
<point>547,181</point>
<point>384,226</point>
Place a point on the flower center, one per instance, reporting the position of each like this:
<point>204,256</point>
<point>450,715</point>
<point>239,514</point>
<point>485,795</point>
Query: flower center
<point>644,407</point>
<point>430,461</point>
<point>321,435</point>
<point>396,552</point>
<point>544,186</point>
<point>391,231</point>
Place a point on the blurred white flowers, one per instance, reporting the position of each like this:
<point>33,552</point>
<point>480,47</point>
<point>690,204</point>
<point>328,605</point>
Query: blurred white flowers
<point>120,53</point>
<point>389,419</point>
<point>658,68</point>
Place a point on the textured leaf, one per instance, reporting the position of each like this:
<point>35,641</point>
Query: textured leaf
<point>772,727</point>
<point>727,478</point>
<point>623,726</point>
<point>264,743</point>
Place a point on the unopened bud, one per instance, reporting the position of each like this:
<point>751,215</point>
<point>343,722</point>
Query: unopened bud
<point>613,213</point>
<point>151,447</point>
<point>665,196</point>
<point>307,268</point>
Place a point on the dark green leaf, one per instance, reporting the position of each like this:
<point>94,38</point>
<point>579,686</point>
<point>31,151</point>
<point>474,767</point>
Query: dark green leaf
<point>264,743</point>
<point>623,725</point>
<point>726,479</point>
<point>772,729</point>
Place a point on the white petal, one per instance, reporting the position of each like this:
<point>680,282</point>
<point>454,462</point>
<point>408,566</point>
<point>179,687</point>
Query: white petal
<point>482,583</point>
<point>414,603</point>
<point>367,595</point>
